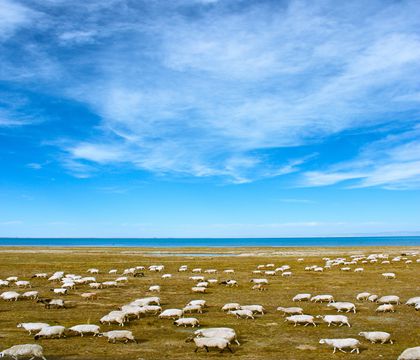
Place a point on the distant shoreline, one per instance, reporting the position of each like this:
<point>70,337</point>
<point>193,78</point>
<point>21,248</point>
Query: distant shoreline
<point>296,242</point>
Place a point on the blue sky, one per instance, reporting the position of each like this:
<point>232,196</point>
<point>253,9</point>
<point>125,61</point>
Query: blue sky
<point>209,118</point>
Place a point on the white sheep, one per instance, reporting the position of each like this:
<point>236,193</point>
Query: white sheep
<point>224,332</point>
<point>88,295</point>
<point>287,274</point>
<point>376,336</point>
<point>171,314</point>
<point>154,309</point>
<point>33,350</point>
<point>115,335</point>
<point>122,279</point>
<point>119,317</point>
<point>211,342</point>
<point>197,278</point>
<point>340,344</point>
<point>302,297</point>
<point>385,308</point>
<point>301,319</point>
<point>389,275</point>
<point>413,301</point>
<point>254,308</point>
<point>23,284</point>
<point>343,306</point>
<point>10,296</point>
<point>93,271</point>
<point>85,329</point>
<point>95,285</point>
<point>323,298</point>
<point>373,298</point>
<point>259,281</point>
<point>51,331</point>
<point>202,284</point>
<point>196,270</point>
<point>29,327</point>
<point>60,291</point>
<point>290,310</point>
<point>151,300</point>
<point>154,288</point>
<point>4,283</point>
<point>201,303</point>
<point>242,313</point>
<point>231,306</point>
<point>359,270</point>
<point>198,289</point>
<point>335,319</point>
<point>410,354</point>
<point>188,321</point>
<point>112,271</point>
<point>12,278</point>
<point>30,295</point>
<point>133,310</point>
<point>192,308</point>
<point>389,299</point>
<point>363,296</point>
<point>166,276</point>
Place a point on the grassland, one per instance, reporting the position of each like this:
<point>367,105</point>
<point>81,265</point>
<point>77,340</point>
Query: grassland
<point>268,337</point>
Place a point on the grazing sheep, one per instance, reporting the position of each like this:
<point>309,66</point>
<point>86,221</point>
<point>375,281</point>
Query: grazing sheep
<point>198,289</point>
<point>23,284</point>
<point>242,313</point>
<point>134,310</point>
<point>29,327</point>
<point>192,308</point>
<point>302,297</point>
<point>290,310</point>
<point>166,276</point>
<point>10,296</point>
<point>211,342</point>
<point>373,298</point>
<point>122,279</point>
<point>224,332</point>
<point>335,319</point>
<point>287,274</point>
<point>152,309</point>
<point>201,303</point>
<point>389,275</point>
<point>196,270</point>
<point>93,271</point>
<point>154,288</point>
<point>254,308</point>
<point>231,306</point>
<point>25,350</point>
<point>301,319</point>
<point>385,308</point>
<point>323,298</point>
<point>359,270</point>
<point>410,354</point>
<point>89,295</point>
<point>115,335</point>
<point>376,336</point>
<point>363,296</point>
<point>389,299</point>
<point>340,344</point>
<point>343,306</point>
<point>112,271</point>
<point>4,283</point>
<point>60,291</point>
<point>197,278</point>
<point>171,314</point>
<point>146,301</point>
<point>229,271</point>
<point>259,281</point>
<point>95,285</point>
<point>85,329</point>
<point>202,284</point>
<point>189,321</point>
<point>108,284</point>
<point>119,317</point>
<point>12,278</point>
<point>30,295</point>
<point>230,283</point>
<point>413,301</point>
<point>51,331</point>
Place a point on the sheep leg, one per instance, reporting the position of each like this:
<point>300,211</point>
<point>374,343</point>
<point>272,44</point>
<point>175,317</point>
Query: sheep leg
<point>196,349</point>
<point>207,349</point>
<point>229,348</point>
<point>342,350</point>
<point>334,350</point>
<point>237,342</point>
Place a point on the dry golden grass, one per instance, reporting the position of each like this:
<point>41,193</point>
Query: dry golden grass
<point>268,337</point>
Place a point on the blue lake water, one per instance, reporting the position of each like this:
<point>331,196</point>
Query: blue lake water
<point>212,242</point>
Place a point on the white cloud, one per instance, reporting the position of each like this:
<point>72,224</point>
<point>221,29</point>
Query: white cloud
<point>13,16</point>
<point>392,163</point>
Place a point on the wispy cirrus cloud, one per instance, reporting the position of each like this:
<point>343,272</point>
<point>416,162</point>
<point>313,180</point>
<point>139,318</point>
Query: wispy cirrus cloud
<point>210,88</point>
<point>393,163</point>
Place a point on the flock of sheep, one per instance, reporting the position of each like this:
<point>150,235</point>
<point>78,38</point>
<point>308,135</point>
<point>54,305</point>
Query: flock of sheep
<point>220,338</point>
